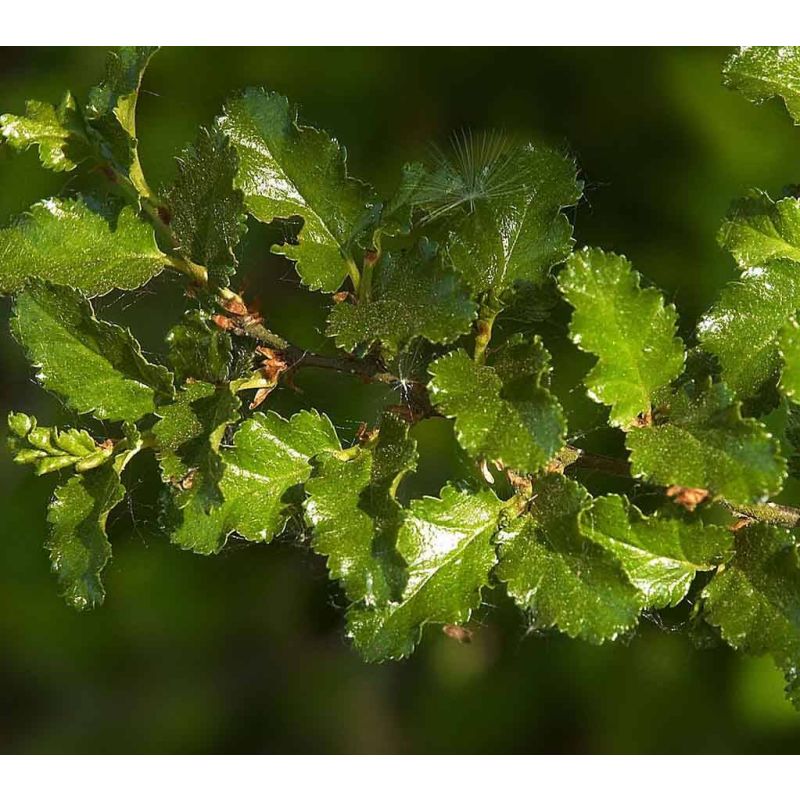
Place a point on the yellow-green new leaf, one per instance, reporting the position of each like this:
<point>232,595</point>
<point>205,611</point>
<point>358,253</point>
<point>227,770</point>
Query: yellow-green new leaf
<point>93,366</point>
<point>75,243</point>
<point>51,449</point>
<point>58,131</point>
<point>503,411</point>
<point>660,555</point>
<point>351,504</point>
<point>763,72</point>
<point>558,576</point>
<point>447,544</point>
<point>699,439</point>
<point>628,328</point>
<point>288,170</point>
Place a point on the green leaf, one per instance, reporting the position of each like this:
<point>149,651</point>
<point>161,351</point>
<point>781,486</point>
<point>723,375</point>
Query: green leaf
<point>78,545</point>
<point>502,411</point>
<point>351,504</point>
<point>558,576</point>
<point>700,440</point>
<point>93,366</point>
<point>188,438</point>
<point>199,350</point>
<point>71,242</point>
<point>510,202</point>
<point>50,449</point>
<point>760,73</point>
<point>289,170</point>
<point>790,353</point>
<point>755,599</point>
<point>629,329</point>
<point>207,211</point>
<point>742,328</point>
<point>757,229</point>
<point>58,131</point>
<point>111,110</point>
<point>270,456</point>
<point>447,544</point>
<point>412,295</point>
<point>660,555</point>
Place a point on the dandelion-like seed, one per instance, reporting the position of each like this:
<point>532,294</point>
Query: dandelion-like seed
<point>477,167</point>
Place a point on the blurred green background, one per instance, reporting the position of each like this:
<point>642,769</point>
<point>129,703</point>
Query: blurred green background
<point>244,652</point>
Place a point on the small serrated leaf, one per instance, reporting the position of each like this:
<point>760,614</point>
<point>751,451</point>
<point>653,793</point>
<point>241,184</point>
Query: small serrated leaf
<point>289,170</point>
<point>502,410</point>
<point>412,295</point>
<point>628,328</point>
<point>660,555</point>
<point>559,577</point>
<point>351,504</point>
<point>58,132</point>
<point>757,229</point>
<point>760,73</point>
<point>447,543</point>
<point>93,366</point>
<point>207,211</point>
<point>755,599</point>
<point>78,545</point>
<point>742,327</point>
<point>789,346</point>
<point>79,244</point>
<point>700,440</point>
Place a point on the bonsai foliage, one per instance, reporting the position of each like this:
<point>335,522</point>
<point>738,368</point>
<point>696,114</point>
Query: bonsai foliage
<point>454,275</point>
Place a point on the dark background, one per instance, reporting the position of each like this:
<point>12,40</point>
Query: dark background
<point>244,652</point>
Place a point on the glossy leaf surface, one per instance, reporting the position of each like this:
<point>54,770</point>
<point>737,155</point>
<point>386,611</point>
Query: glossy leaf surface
<point>289,170</point>
<point>351,504</point>
<point>78,244</point>
<point>703,442</point>
<point>628,328</point>
<point>660,555</point>
<point>558,576</point>
<point>502,411</point>
<point>447,543</point>
<point>93,366</point>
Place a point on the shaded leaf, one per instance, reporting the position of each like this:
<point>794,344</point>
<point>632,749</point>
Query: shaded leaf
<point>199,350</point>
<point>502,411</point>
<point>289,170</point>
<point>755,599</point>
<point>71,242</point>
<point>789,346</point>
<point>93,366</point>
<point>660,555</point>
<point>629,329</point>
<point>558,576</point>
<point>508,200</point>
<point>412,295</point>
<point>207,211</point>
<point>188,438</point>
<point>78,545</point>
<point>351,504</point>
<point>702,441</point>
<point>763,72</point>
<point>447,543</point>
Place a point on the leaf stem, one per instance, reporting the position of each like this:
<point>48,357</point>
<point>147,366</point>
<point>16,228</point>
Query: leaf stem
<point>489,310</point>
